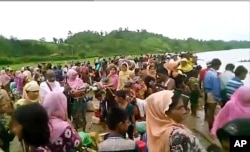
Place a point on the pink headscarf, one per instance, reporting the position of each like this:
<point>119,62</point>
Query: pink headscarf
<point>237,107</point>
<point>4,78</point>
<point>55,103</point>
<point>74,82</point>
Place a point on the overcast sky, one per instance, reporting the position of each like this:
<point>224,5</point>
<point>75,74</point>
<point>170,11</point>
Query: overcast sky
<point>201,20</point>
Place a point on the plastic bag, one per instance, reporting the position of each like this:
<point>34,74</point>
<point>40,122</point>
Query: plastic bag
<point>86,139</point>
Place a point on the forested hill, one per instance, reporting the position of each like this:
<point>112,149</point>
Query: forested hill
<point>117,42</point>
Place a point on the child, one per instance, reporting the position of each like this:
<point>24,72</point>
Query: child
<point>103,109</point>
<point>193,84</point>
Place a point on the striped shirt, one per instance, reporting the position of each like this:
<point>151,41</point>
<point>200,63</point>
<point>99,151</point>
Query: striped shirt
<point>232,86</point>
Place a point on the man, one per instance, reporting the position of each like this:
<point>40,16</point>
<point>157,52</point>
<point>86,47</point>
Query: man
<point>117,121</point>
<point>225,77</point>
<point>213,89</point>
<point>49,85</point>
<point>236,82</point>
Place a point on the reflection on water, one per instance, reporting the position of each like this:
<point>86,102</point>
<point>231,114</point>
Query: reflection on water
<point>229,56</point>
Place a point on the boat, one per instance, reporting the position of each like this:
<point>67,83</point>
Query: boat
<point>244,60</point>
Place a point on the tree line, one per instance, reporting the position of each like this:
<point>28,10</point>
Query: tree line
<point>91,43</point>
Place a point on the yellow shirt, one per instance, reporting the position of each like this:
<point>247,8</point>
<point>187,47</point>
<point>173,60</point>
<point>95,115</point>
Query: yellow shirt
<point>123,77</point>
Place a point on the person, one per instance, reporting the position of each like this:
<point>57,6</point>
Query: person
<point>6,110</point>
<point>76,95</point>
<point>49,85</point>
<point>149,79</point>
<point>165,133</point>
<point>27,77</point>
<point>185,66</point>
<point>195,93</point>
<point>236,127</point>
<point>236,82</point>
<point>63,137</point>
<point>5,80</point>
<point>226,76</point>
<point>237,107</point>
<point>30,94</point>
<point>213,90</point>
<point>103,108</point>
<point>165,81</point>
<point>117,121</point>
<point>112,78</point>
<point>121,99</point>
<point>123,76</point>
<point>31,125</point>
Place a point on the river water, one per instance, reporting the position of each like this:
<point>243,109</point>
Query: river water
<point>228,56</point>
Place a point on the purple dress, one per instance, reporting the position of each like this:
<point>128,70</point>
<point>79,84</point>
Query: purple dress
<point>40,149</point>
<point>68,140</point>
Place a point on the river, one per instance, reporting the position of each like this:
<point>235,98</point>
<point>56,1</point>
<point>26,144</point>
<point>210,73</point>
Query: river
<point>228,56</point>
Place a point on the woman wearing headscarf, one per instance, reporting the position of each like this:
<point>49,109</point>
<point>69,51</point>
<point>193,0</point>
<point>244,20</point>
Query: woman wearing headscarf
<point>30,94</point>
<point>150,79</point>
<point>124,76</point>
<point>6,110</point>
<point>172,67</point>
<point>165,133</point>
<point>185,66</point>
<point>19,80</point>
<point>27,76</point>
<point>63,137</point>
<point>5,80</point>
<point>76,93</point>
<point>237,107</point>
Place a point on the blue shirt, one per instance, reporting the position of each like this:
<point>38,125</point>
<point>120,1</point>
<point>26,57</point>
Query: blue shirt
<point>212,84</point>
<point>232,86</point>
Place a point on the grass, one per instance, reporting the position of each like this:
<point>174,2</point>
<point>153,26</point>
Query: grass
<point>34,64</point>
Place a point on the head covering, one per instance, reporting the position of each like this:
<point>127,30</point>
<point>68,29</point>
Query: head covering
<point>55,103</point>
<point>4,96</point>
<point>184,60</point>
<point>237,107</point>
<point>27,74</point>
<point>159,125</point>
<point>74,83</point>
<point>149,73</point>
<point>4,78</point>
<point>31,86</point>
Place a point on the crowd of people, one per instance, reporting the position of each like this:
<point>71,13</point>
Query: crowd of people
<point>142,103</point>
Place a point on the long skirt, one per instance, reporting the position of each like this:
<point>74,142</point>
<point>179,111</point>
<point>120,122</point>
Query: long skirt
<point>78,112</point>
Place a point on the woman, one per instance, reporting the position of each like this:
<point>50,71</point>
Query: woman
<point>63,137</point>
<point>5,80</point>
<point>19,79</point>
<point>27,76</point>
<point>150,79</point>
<point>123,76</point>
<point>30,124</point>
<point>185,66</point>
<point>112,78</point>
<point>78,104</point>
<point>237,107</point>
<point>165,133</point>
<point>172,67</point>
<point>30,94</point>
<point>5,116</point>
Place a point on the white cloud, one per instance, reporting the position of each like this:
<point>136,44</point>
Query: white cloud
<point>201,20</point>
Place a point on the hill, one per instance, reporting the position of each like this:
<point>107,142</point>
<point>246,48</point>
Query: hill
<point>90,44</point>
